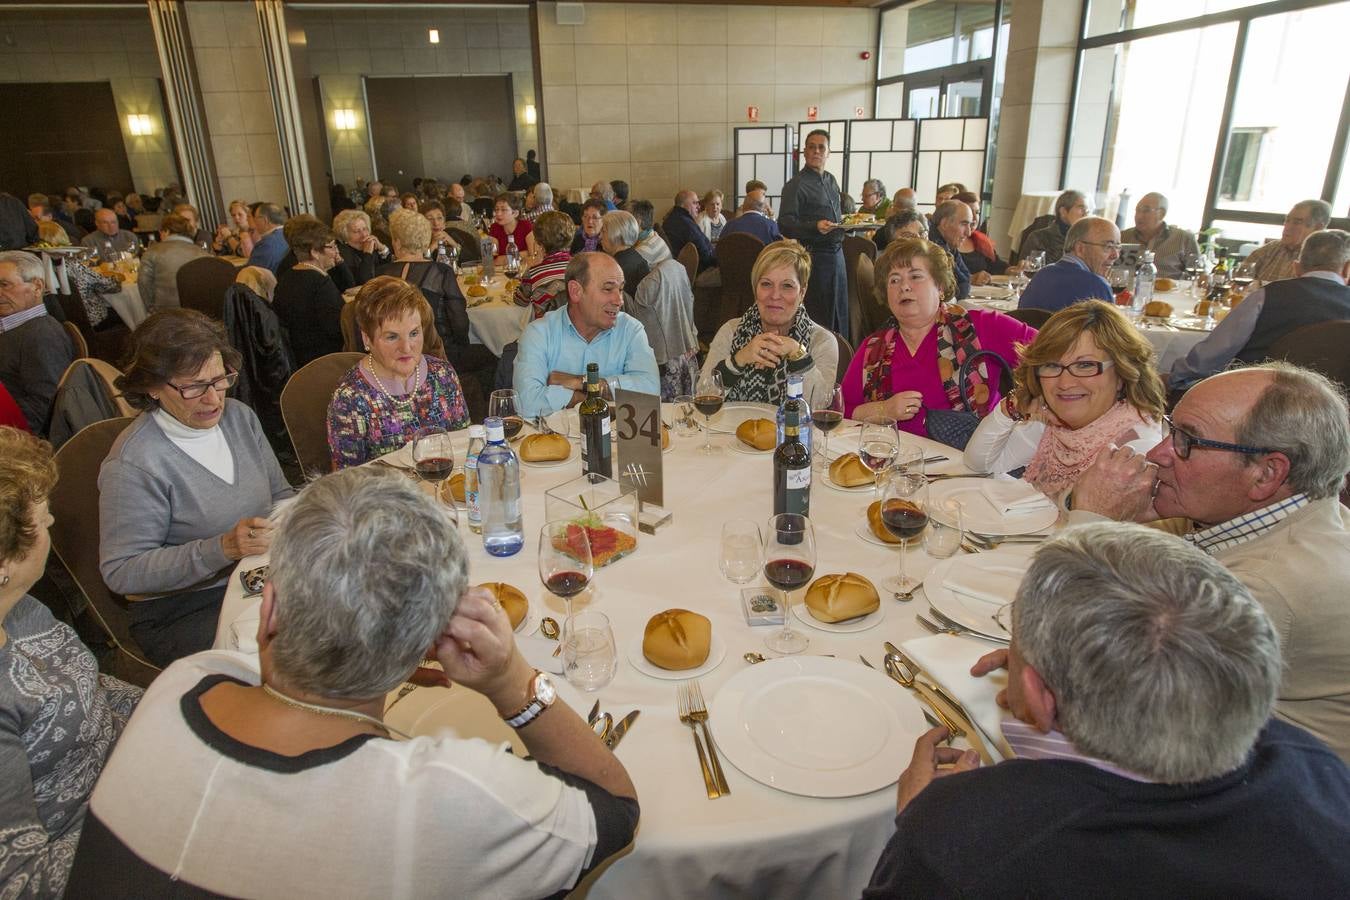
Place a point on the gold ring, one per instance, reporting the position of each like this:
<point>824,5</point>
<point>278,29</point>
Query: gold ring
<point>250,532</point>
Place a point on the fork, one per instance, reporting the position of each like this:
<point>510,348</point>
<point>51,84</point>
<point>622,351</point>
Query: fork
<point>990,541</point>
<point>708,782</point>
<point>949,622</point>
<point>698,711</point>
<point>541,425</point>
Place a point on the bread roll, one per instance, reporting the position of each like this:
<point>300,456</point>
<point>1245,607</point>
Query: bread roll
<point>1202,308</point>
<point>512,600</point>
<point>848,471</point>
<point>453,487</point>
<point>758,433</point>
<point>1164,284</point>
<point>836,598</point>
<point>544,448</point>
<point>1158,308</point>
<point>874,523</point>
<point>677,639</point>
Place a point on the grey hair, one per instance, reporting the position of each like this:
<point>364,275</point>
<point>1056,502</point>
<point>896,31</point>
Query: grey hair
<point>756,202</point>
<point>901,219</point>
<point>1160,660</point>
<point>1319,212</point>
<point>946,209</point>
<point>1082,230</point>
<point>1161,203</point>
<point>1304,414</point>
<point>606,190</point>
<point>272,212</point>
<point>1068,200</point>
<point>543,193</point>
<point>643,211</point>
<point>343,220</point>
<point>29,266</point>
<point>411,229</point>
<point>877,187</point>
<point>367,571</point>
<point>619,228</point>
<point>1325,251</point>
<point>904,204</point>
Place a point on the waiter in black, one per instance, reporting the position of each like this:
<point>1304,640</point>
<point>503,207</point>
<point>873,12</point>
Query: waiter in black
<point>809,212</point>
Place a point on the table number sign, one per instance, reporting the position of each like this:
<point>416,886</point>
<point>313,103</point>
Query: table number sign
<point>637,430</point>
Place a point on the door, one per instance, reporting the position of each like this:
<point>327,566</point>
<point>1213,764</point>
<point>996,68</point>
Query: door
<point>954,92</point>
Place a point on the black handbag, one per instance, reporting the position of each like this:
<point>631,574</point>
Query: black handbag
<point>954,427</point>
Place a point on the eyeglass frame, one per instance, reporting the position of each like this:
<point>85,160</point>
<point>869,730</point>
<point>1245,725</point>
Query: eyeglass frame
<point>1190,441</point>
<point>1101,364</point>
<point>1003,613</point>
<point>1109,245</point>
<point>230,378</point>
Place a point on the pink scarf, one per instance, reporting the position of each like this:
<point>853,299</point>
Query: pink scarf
<point>1064,453</point>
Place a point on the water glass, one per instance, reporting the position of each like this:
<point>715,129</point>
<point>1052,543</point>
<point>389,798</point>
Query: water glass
<point>742,551</point>
<point>946,529</point>
<point>588,655</point>
<point>684,416</point>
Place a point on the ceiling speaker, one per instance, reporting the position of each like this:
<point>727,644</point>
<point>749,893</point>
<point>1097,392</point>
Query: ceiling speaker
<point>571,14</point>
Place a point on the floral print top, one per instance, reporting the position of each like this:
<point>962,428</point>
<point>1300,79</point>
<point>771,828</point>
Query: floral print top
<point>365,422</point>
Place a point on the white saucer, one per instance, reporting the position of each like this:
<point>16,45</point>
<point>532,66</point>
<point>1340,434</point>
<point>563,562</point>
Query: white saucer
<point>862,531</point>
<point>848,626</point>
<point>717,651</point>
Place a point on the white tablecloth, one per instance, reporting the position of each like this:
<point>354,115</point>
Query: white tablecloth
<point>757,842</point>
<point>128,304</point>
<point>498,321</point>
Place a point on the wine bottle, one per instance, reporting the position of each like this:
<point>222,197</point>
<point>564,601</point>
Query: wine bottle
<point>795,397</point>
<point>596,452</point>
<point>791,469</point>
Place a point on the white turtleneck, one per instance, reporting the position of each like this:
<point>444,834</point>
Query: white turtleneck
<point>206,445</point>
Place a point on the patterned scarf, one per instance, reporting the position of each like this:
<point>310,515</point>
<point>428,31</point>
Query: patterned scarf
<point>1065,453</point>
<point>765,385</point>
<point>956,340</point>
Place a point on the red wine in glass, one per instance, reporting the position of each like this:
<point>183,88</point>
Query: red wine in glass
<point>566,584</point>
<point>708,404</point>
<point>435,468</point>
<point>904,520</point>
<point>788,574</point>
<point>511,426</point>
<point>826,420</point>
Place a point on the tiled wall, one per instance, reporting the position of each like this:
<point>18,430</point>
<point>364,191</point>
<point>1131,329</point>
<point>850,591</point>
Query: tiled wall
<point>227,46</point>
<point>344,45</point>
<point>116,46</point>
<point>649,93</point>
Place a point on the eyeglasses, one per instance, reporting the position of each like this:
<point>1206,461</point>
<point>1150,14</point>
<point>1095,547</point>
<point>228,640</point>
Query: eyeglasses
<point>1183,441</point>
<point>1004,616</point>
<point>1111,246</point>
<point>199,388</point>
<point>1082,368</point>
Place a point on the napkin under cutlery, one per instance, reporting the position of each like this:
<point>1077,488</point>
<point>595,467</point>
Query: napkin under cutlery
<point>1014,498</point>
<point>992,579</point>
<point>947,660</point>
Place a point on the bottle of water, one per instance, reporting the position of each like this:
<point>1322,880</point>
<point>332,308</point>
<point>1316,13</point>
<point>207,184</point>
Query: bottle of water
<point>441,255</point>
<point>499,493</point>
<point>794,395</point>
<point>1144,277</point>
<point>477,439</point>
<point>512,257</point>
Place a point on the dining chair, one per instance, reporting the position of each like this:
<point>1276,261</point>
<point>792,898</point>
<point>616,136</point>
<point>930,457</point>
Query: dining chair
<point>107,343</point>
<point>845,357</point>
<point>874,312</point>
<point>688,257</point>
<point>75,538</point>
<point>736,255</point>
<point>1036,318</point>
<point>304,408</point>
<point>1036,225</point>
<point>854,248</point>
<point>77,341</point>
<point>202,284</point>
<point>1319,346</point>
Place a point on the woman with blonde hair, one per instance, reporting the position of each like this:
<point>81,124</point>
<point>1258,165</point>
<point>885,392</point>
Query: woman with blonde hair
<point>912,363</point>
<point>710,218</point>
<point>378,406</point>
<point>360,250</point>
<point>1086,382</point>
<point>234,238</point>
<point>775,338</point>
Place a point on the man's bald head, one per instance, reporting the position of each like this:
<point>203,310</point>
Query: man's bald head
<point>687,200</point>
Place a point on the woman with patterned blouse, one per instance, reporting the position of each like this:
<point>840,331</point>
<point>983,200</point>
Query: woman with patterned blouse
<point>542,282</point>
<point>59,718</point>
<point>396,389</point>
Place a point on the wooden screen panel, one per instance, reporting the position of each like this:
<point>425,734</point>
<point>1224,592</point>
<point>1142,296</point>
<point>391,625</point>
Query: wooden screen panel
<point>72,137</point>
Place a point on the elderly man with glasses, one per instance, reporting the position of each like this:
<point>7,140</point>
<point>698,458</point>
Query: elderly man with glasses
<point>1142,677</point>
<point>1275,261</point>
<point>1253,466</point>
<point>1170,245</point>
<point>1091,246</point>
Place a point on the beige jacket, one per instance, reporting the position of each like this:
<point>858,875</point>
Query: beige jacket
<point>158,278</point>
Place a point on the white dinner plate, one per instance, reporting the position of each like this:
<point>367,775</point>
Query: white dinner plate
<point>848,626</point>
<point>980,515</point>
<point>834,486</point>
<point>733,414</point>
<point>816,726</point>
<point>974,613</point>
<point>862,531</point>
<point>529,624</point>
<point>741,447</point>
<point>717,651</point>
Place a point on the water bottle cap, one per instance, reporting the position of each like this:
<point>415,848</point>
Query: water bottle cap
<point>794,385</point>
<point>495,431</point>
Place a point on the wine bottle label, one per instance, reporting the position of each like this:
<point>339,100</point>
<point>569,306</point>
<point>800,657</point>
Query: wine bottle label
<point>604,425</point>
<point>799,479</point>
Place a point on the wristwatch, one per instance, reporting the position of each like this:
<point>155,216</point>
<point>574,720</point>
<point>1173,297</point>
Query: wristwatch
<point>796,354</point>
<point>542,695</point>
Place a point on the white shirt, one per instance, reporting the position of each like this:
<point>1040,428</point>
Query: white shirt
<point>206,445</point>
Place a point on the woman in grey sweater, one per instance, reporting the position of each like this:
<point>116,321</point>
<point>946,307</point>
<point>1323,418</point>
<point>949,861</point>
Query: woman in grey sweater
<point>59,718</point>
<point>186,490</point>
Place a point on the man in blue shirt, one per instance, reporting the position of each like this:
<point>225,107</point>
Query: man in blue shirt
<point>270,248</point>
<point>753,220</point>
<point>1090,248</point>
<point>592,328</point>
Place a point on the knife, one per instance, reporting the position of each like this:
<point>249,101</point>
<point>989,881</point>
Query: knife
<point>616,734</point>
<point>593,714</point>
<point>931,683</point>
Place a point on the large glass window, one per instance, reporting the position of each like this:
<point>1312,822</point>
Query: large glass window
<point>931,34</point>
<point>1106,16</point>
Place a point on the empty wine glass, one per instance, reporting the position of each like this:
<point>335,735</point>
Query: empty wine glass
<point>433,454</point>
<point>588,655</point>
<point>742,550</point>
<point>684,415</point>
<point>904,513</point>
<point>946,529</point>
<point>789,563</point>
<point>908,459</point>
<point>506,405</point>
<point>565,564</point>
<point>878,444</point>
<point>709,395</point>
<point>827,414</point>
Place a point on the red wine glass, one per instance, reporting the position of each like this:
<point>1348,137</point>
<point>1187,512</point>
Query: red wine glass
<point>904,513</point>
<point>789,563</point>
<point>565,565</point>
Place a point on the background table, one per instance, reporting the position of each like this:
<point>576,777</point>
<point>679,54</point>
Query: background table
<point>128,303</point>
<point>757,842</point>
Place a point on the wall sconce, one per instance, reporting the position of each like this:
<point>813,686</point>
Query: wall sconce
<point>139,124</point>
<point>344,119</point>
<point>434,35</point>
<point>530,115</point>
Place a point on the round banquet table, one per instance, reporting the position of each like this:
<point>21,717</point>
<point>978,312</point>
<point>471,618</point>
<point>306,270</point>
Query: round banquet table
<point>757,841</point>
<point>127,303</point>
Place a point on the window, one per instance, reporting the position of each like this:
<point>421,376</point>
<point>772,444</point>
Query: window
<point>929,35</point>
<point>1106,16</point>
<point>1240,161</point>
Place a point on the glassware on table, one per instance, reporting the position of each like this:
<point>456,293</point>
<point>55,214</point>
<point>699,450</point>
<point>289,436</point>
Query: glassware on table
<point>878,445</point>
<point>789,563</point>
<point>827,414</point>
<point>742,551</point>
<point>945,534</point>
<point>684,415</point>
<point>709,395</point>
<point>904,513</point>
<point>1119,277</point>
<point>433,454</point>
<point>565,563</point>
<point>908,459</point>
<point>505,405</point>
<point>588,655</point>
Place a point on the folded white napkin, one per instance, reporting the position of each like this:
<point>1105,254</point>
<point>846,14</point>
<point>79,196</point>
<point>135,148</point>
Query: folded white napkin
<point>947,659</point>
<point>244,629</point>
<point>1014,497</point>
<point>538,652</point>
<point>993,579</point>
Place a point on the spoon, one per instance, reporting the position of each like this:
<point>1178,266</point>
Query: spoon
<point>752,657</point>
<point>549,628</point>
<point>906,596</point>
